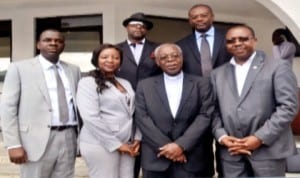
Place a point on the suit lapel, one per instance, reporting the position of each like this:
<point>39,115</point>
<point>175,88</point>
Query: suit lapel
<point>217,44</point>
<point>231,80</point>
<point>117,94</point>
<point>161,91</point>
<point>186,92</point>
<point>40,78</point>
<point>146,51</point>
<point>194,48</point>
<point>128,53</point>
<point>254,69</point>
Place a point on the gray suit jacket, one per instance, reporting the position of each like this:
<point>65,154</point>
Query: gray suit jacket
<point>266,107</point>
<point>26,109</point>
<point>107,116</point>
<point>188,129</point>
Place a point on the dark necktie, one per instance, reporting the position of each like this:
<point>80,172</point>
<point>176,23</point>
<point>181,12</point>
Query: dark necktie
<point>206,63</point>
<point>61,98</point>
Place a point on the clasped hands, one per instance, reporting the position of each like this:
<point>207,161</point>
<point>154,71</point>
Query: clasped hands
<point>131,149</point>
<point>239,146</point>
<point>173,152</point>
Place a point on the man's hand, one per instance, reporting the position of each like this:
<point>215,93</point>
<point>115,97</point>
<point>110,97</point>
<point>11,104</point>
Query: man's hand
<point>125,149</point>
<point>235,145</point>
<point>135,146</point>
<point>17,155</point>
<point>180,159</point>
<point>230,141</point>
<point>251,142</point>
<point>170,151</point>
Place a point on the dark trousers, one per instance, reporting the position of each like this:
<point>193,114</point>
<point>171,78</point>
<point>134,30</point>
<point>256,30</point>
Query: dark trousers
<point>137,166</point>
<point>176,170</point>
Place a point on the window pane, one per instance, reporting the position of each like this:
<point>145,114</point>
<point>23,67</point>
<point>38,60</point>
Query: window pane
<point>82,33</point>
<point>5,48</point>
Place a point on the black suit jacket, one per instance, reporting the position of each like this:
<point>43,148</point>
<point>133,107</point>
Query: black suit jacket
<point>130,70</point>
<point>188,129</point>
<point>191,54</point>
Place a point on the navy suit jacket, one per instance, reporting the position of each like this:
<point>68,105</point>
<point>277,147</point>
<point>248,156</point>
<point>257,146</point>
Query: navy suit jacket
<point>191,53</point>
<point>190,127</point>
<point>147,67</point>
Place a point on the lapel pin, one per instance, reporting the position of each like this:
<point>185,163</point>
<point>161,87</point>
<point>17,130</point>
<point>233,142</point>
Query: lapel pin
<point>254,67</point>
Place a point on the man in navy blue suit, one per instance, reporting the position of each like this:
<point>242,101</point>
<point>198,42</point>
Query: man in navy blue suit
<point>201,19</point>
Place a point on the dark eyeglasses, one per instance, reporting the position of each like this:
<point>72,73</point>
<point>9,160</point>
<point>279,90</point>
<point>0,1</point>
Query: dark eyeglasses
<point>240,39</point>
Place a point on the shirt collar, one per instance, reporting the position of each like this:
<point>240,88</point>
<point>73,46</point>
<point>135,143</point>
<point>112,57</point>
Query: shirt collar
<point>140,42</point>
<point>210,33</point>
<point>46,64</point>
<point>173,78</point>
<point>249,61</point>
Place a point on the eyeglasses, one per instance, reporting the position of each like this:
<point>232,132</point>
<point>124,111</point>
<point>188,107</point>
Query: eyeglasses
<point>241,39</point>
<point>167,56</point>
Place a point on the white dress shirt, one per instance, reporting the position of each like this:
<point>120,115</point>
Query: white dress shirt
<point>52,90</point>
<point>173,86</point>
<point>137,50</point>
<point>241,72</point>
<point>210,39</point>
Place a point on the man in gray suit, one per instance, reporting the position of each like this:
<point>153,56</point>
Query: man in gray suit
<point>173,112</point>
<point>257,100</point>
<point>36,131</point>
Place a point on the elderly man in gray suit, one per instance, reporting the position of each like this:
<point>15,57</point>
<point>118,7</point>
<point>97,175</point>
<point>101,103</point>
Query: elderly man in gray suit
<point>38,111</point>
<point>257,100</point>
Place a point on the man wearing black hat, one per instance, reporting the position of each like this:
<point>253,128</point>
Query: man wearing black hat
<point>138,62</point>
<point>138,56</point>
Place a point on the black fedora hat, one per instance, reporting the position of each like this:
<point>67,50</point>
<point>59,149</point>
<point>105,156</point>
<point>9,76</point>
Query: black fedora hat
<point>139,16</point>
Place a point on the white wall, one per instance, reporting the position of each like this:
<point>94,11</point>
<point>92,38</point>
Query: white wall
<point>113,15</point>
<point>23,18</point>
<point>287,12</point>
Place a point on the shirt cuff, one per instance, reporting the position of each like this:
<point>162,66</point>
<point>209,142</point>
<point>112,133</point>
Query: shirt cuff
<point>15,146</point>
<point>221,138</point>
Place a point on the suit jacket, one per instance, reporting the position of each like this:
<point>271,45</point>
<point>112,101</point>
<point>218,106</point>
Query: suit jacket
<point>188,129</point>
<point>285,50</point>
<point>107,116</point>
<point>191,53</point>
<point>26,110</point>
<point>131,71</point>
<point>266,107</point>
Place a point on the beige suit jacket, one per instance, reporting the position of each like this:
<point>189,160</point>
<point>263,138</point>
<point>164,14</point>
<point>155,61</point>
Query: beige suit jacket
<point>26,108</point>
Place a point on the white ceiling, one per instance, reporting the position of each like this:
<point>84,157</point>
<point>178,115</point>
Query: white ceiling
<point>231,7</point>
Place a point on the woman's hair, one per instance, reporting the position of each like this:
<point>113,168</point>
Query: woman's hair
<point>100,78</point>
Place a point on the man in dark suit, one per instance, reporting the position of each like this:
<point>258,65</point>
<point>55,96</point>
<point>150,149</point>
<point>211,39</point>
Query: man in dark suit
<point>173,112</point>
<point>201,19</point>
<point>138,62</point>
<point>138,58</point>
<point>257,97</point>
